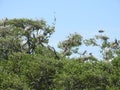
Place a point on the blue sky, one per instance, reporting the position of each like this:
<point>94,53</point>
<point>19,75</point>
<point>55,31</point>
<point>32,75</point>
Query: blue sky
<point>83,16</point>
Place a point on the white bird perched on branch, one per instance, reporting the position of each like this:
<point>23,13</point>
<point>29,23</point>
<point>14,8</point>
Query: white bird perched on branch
<point>4,21</point>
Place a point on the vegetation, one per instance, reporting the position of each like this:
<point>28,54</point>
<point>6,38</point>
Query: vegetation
<point>28,62</point>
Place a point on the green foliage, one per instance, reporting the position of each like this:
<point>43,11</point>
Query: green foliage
<point>71,44</point>
<point>31,64</point>
<point>91,41</point>
<point>23,35</point>
<point>108,49</point>
<point>47,52</point>
<point>9,42</point>
<point>37,72</point>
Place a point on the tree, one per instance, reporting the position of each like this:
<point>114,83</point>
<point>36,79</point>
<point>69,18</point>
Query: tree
<point>108,49</point>
<point>31,64</point>
<point>23,35</point>
<point>9,40</point>
<point>71,44</point>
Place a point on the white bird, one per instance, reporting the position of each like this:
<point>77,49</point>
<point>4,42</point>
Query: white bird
<point>28,28</point>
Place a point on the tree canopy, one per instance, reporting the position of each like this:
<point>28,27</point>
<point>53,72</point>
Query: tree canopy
<point>28,62</point>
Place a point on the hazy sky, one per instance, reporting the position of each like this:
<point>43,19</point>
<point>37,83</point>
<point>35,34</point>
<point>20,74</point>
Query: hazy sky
<point>83,16</point>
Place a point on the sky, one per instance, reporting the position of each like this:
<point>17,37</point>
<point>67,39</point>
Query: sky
<point>85,17</point>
